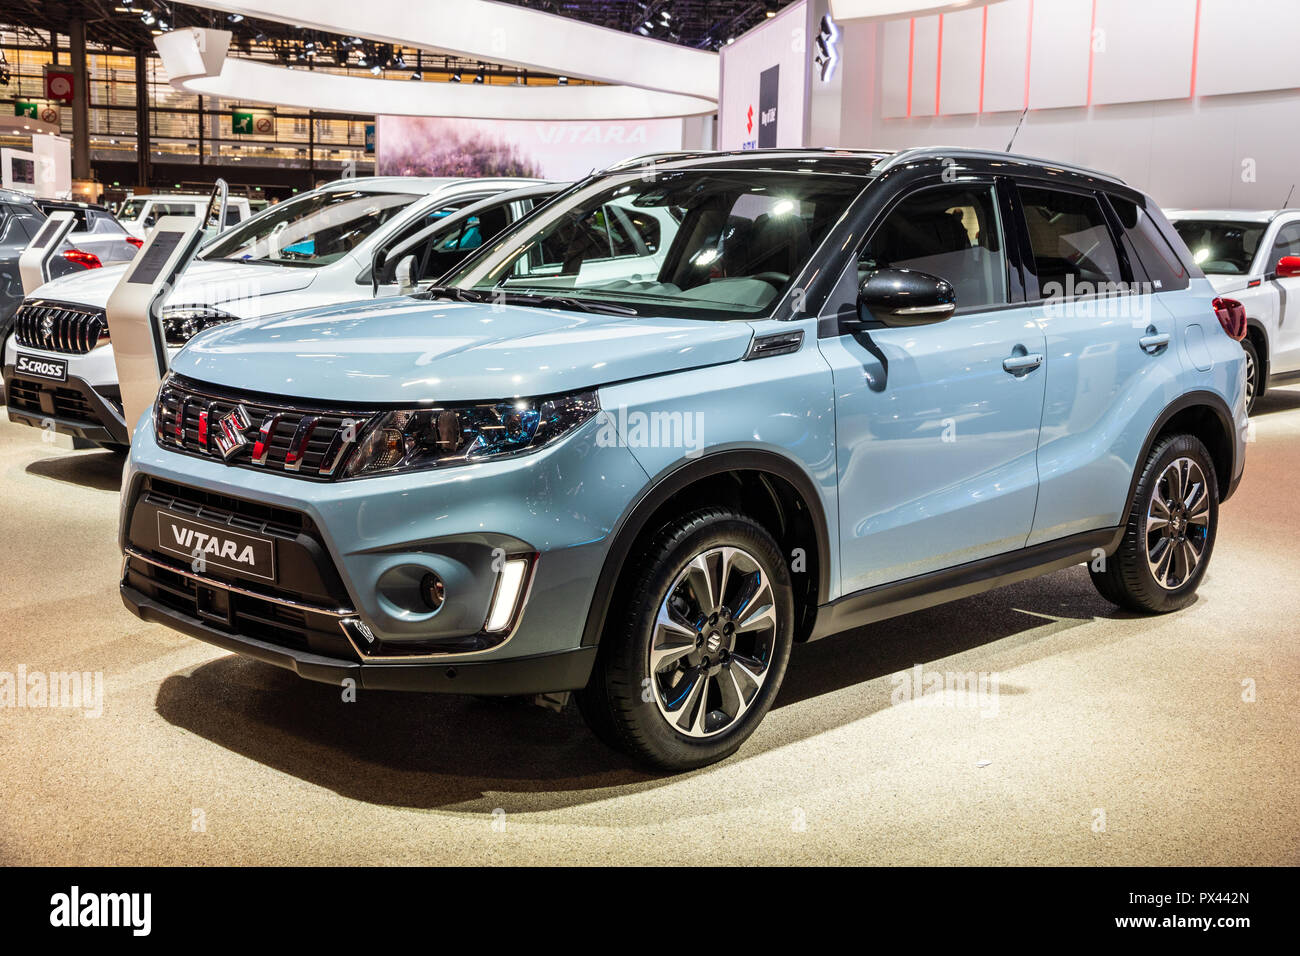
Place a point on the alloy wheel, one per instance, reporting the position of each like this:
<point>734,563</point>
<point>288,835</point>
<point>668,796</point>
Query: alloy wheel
<point>712,645</point>
<point>1178,523</point>
<point>1252,374</point>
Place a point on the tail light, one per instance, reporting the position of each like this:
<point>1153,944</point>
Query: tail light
<point>87,260</point>
<point>1232,316</point>
<point>138,243</point>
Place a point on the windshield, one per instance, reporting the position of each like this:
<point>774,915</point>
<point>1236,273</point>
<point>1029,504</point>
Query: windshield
<point>132,208</point>
<point>698,242</point>
<point>311,230</point>
<point>1222,248</point>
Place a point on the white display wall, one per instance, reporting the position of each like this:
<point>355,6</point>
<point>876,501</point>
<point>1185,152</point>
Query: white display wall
<point>1193,100</point>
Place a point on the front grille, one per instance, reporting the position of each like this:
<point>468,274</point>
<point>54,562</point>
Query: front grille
<point>238,513</point>
<point>301,611</point>
<point>252,431</point>
<point>60,327</point>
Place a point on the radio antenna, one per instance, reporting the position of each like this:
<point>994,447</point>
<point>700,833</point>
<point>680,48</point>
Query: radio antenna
<point>1017,129</point>
<point>1288,197</point>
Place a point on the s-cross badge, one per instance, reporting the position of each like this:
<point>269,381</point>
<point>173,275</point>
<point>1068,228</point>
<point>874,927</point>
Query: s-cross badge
<point>228,436</point>
<point>47,328</point>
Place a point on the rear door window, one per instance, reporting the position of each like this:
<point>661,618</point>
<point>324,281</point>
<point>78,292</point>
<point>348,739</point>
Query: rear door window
<point>1074,253</point>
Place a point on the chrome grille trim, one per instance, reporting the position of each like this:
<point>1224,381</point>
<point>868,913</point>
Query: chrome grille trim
<point>306,442</point>
<point>129,552</point>
<point>74,329</point>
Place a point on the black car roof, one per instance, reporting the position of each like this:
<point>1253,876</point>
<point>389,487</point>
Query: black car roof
<point>875,162</point>
<point>69,204</point>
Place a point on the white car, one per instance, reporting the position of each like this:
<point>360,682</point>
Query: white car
<point>316,249</point>
<point>1254,257</point>
<point>139,214</point>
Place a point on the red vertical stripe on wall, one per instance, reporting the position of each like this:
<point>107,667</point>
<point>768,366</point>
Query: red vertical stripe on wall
<point>1092,49</point>
<point>984,48</point>
<point>911,57</point>
<point>938,72</point>
<point>1029,50</point>
<point>1196,48</point>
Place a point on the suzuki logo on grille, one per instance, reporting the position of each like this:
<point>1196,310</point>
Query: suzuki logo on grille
<point>47,328</point>
<point>228,435</point>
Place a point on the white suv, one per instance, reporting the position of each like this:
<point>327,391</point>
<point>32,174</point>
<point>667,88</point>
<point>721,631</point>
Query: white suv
<point>139,214</point>
<point>315,249</point>
<point>1255,258</point>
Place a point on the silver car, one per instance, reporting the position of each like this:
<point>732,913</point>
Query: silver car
<point>96,234</point>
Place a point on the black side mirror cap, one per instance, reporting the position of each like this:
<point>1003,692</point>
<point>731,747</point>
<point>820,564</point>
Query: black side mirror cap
<point>904,297</point>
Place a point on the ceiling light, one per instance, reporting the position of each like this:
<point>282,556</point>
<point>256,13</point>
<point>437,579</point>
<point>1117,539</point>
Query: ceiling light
<point>376,70</point>
<point>146,18</point>
<point>417,75</point>
<point>454,78</point>
<point>235,17</point>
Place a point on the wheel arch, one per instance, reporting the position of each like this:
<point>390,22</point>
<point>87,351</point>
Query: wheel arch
<point>1201,413</point>
<point>1258,335</point>
<point>774,485</point>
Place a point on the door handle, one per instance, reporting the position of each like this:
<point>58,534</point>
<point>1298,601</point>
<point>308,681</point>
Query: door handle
<point>1153,341</point>
<point>1021,364</point>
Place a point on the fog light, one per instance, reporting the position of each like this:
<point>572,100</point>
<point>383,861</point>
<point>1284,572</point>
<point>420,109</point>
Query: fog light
<point>505,602</point>
<point>431,591</point>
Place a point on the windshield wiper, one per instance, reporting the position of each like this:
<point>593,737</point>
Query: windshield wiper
<point>561,302</point>
<point>450,292</point>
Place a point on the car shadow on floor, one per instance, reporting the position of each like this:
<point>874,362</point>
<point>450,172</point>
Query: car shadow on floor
<point>468,755</point>
<point>1277,400</point>
<point>100,470</point>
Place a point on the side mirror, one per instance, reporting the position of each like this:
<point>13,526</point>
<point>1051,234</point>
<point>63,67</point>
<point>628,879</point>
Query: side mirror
<point>406,275</point>
<point>1288,267</point>
<point>902,298</point>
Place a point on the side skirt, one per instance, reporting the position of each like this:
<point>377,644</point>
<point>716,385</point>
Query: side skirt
<point>939,587</point>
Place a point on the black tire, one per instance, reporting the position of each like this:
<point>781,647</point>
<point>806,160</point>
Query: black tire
<point>621,702</point>
<point>1255,386</point>
<point>1127,577</point>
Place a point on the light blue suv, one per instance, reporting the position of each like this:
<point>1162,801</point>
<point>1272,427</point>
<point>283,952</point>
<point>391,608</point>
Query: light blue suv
<point>695,410</point>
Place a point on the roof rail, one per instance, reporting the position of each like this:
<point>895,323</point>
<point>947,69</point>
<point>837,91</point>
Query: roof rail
<point>675,154</point>
<point>939,152</point>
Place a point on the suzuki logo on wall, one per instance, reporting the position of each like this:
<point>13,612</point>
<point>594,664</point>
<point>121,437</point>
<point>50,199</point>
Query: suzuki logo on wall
<point>826,49</point>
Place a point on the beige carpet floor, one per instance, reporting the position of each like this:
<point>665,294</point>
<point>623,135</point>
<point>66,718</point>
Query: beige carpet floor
<point>1113,739</point>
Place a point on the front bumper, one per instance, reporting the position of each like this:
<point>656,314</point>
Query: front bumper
<point>72,408</point>
<point>345,549</point>
<point>88,405</point>
<point>514,676</point>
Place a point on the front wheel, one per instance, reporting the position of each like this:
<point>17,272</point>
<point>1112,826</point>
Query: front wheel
<point>1170,532</point>
<point>691,663</point>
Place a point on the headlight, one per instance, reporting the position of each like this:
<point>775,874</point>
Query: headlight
<point>183,323</point>
<point>459,434</point>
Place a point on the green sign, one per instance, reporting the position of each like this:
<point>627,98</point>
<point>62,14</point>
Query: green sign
<point>30,110</point>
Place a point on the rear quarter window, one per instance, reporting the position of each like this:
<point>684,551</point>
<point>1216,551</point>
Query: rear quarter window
<point>1148,249</point>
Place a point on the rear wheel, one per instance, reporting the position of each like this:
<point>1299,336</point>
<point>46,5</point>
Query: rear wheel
<point>1170,532</point>
<point>690,665</point>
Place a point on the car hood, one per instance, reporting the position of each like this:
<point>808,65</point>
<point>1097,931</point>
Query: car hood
<point>237,285</point>
<point>407,351</point>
